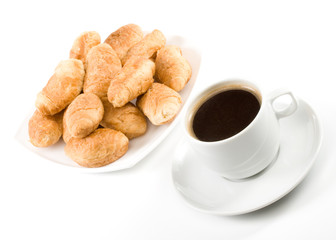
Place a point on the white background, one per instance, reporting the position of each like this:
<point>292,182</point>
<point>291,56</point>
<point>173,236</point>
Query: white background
<point>272,43</point>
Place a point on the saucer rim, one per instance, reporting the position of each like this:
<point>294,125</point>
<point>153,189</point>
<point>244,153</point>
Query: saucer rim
<point>318,136</point>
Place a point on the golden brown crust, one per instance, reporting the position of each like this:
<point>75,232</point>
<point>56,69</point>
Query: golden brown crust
<point>160,104</point>
<point>133,80</point>
<point>102,63</point>
<point>62,88</point>
<point>82,45</point>
<point>45,130</point>
<point>127,119</point>
<point>100,148</point>
<point>147,47</point>
<point>83,115</point>
<point>124,38</point>
<point>171,68</point>
<point>66,134</point>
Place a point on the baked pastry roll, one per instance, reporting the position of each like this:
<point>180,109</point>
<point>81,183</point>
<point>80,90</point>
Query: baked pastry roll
<point>100,148</point>
<point>82,45</point>
<point>124,38</point>
<point>102,63</point>
<point>127,119</point>
<point>83,115</point>
<point>66,134</point>
<point>45,130</point>
<point>171,68</point>
<point>62,88</point>
<point>134,79</point>
<point>147,47</point>
<point>160,104</point>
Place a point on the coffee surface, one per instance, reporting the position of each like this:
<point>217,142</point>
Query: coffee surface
<point>224,115</point>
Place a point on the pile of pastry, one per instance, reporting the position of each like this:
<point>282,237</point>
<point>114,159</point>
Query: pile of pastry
<point>88,98</point>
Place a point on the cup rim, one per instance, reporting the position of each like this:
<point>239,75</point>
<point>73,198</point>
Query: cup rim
<point>218,84</point>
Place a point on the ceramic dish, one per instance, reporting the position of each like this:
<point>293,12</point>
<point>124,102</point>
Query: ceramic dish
<point>139,147</point>
<point>206,191</point>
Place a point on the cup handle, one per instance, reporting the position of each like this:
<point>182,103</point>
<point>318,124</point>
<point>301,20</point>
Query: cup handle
<point>288,110</point>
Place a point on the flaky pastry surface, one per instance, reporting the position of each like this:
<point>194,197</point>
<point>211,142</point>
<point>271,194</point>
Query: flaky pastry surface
<point>134,79</point>
<point>147,47</point>
<point>171,68</point>
<point>124,38</point>
<point>127,119</point>
<point>62,88</point>
<point>102,64</point>
<point>100,148</point>
<point>82,45</point>
<point>44,130</point>
<point>160,104</point>
<point>83,115</point>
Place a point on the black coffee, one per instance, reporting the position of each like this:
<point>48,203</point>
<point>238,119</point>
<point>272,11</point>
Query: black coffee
<point>225,115</point>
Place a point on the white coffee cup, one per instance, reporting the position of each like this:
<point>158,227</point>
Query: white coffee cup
<point>252,149</point>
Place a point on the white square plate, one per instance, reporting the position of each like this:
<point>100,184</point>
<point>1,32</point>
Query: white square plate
<point>138,147</point>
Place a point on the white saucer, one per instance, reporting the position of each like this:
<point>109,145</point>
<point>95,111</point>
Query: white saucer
<point>204,190</point>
